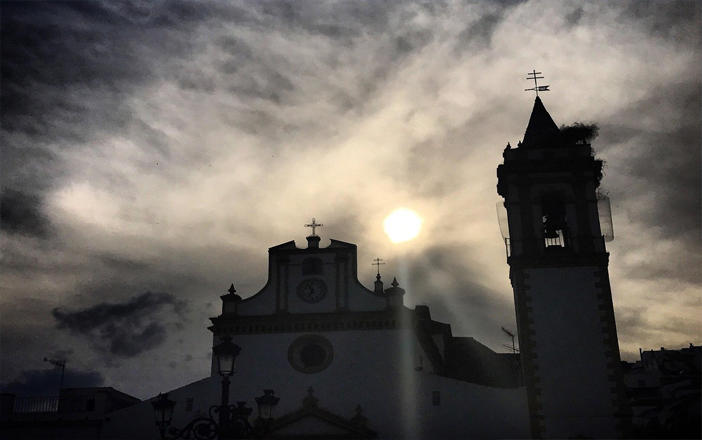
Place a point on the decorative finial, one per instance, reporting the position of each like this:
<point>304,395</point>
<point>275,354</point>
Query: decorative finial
<point>314,225</point>
<point>394,282</point>
<point>310,400</point>
<point>231,290</point>
<point>537,88</point>
<point>378,262</point>
<point>358,418</point>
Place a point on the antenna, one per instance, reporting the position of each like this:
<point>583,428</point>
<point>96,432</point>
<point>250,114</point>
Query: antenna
<point>515,352</point>
<point>511,335</point>
<point>61,363</point>
<point>378,262</point>
<point>537,88</point>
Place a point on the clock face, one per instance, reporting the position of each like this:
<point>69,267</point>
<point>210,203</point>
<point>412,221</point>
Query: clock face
<point>312,290</point>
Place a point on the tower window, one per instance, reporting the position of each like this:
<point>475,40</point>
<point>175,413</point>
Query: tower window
<point>311,266</point>
<point>554,222</point>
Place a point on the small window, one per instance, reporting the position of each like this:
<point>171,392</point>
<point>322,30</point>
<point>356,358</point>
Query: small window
<point>90,405</point>
<point>189,404</point>
<point>311,266</point>
<point>436,398</point>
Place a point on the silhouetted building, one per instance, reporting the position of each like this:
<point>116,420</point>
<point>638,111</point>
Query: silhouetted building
<point>361,351</point>
<point>664,392</point>
<point>76,413</point>
<point>558,269</point>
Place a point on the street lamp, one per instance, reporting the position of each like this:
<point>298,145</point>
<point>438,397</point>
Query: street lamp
<point>225,355</point>
<point>163,412</point>
<point>265,405</point>
<point>225,420</point>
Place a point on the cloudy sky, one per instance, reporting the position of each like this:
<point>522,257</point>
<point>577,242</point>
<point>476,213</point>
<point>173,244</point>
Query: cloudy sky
<point>153,151</point>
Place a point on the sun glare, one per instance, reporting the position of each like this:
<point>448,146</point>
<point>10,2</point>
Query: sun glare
<point>402,225</point>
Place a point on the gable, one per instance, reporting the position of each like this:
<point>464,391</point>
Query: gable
<point>310,426</point>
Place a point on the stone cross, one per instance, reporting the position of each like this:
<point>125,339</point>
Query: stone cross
<point>314,225</point>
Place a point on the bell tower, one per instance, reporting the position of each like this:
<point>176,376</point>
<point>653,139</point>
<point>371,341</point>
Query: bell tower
<point>558,270</point>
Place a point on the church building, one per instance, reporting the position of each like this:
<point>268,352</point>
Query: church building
<point>340,360</point>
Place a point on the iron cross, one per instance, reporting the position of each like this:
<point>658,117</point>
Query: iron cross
<point>378,262</point>
<point>537,88</point>
<point>314,225</point>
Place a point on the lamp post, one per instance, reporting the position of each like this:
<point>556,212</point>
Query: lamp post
<point>163,412</point>
<point>225,354</point>
<point>225,421</point>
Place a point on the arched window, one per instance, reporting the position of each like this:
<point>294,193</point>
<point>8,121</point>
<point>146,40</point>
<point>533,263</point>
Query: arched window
<point>311,266</point>
<point>554,221</point>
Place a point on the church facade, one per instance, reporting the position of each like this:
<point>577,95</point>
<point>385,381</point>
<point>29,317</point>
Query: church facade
<point>345,360</point>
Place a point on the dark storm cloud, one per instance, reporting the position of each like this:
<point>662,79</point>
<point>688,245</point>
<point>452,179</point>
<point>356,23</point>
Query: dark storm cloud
<point>124,329</point>
<point>478,34</point>
<point>49,45</point>
<point>67,68</point>
<point>659,185</point>
<point>675,20</point>
<point>22,213</point>
<point>573,18</point>
<point>481,308</point>
<point>324,18</point>
<point>46,382</point>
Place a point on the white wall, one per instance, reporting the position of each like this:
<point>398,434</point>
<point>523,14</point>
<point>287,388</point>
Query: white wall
<point>374,368</point>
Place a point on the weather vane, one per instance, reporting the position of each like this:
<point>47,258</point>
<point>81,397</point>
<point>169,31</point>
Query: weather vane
<point>378,262</point>
<point>314,225</point>
<point>537,88</point>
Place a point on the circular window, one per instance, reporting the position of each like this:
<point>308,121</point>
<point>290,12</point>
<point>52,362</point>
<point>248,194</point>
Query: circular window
<point>310,353</point>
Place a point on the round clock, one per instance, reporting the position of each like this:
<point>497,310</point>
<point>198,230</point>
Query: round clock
<point>312,290</point>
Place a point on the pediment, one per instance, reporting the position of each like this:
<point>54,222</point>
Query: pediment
<point>311,421</point>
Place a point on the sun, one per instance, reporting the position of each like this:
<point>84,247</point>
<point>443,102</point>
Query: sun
<point>402,225</point>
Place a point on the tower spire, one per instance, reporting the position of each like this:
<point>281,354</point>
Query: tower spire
<point>541,130</point>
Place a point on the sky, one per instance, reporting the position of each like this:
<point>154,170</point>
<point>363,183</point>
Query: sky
<point>153,151</point>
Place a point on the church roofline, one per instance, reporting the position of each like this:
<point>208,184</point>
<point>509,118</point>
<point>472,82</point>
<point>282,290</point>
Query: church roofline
<point>287,245</point>
<point>291,247</point>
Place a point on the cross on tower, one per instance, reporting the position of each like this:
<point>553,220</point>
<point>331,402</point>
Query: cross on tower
<point>378,262</point>
<point>537,88</point>
<point>314,225</point>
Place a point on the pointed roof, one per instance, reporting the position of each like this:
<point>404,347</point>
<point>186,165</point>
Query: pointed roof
<point>541,131</point>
